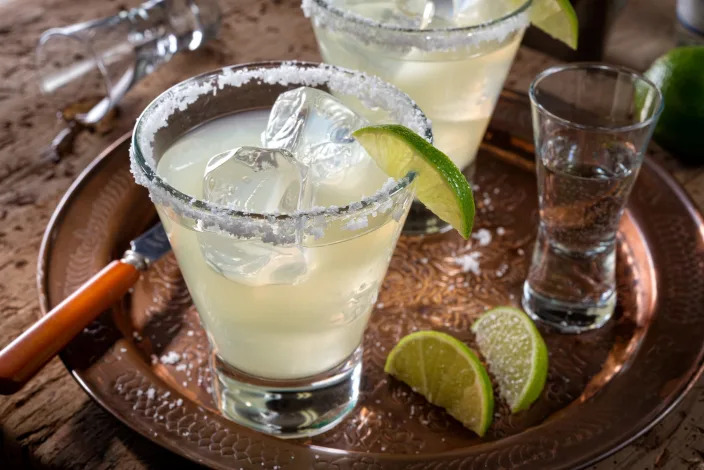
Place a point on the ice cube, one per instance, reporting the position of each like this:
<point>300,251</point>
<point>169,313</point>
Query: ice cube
<point>255,180</point>
<point>316,127</point>
<point>416,13</point>
<point>253,262</point>
<point>452,13</point>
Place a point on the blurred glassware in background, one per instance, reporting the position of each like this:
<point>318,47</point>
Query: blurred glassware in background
<point>689,30</point>
<point>86,68</point>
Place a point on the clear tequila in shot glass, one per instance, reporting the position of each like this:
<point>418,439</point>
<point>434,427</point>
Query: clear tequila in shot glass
<point>591,124</point>
<point>283,251</point>
<point>451,57</point>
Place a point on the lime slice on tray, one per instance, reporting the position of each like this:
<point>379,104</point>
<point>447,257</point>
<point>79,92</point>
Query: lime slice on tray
<point>440,185</point>
<point>447,373</point>
<point>556,18</point>
<point>516,354</point>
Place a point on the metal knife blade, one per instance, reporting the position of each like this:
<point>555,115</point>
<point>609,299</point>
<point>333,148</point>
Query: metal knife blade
<point>148,247</point>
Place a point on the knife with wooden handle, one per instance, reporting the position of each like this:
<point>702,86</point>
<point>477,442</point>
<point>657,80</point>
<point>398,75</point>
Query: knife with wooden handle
<point>27,354</point>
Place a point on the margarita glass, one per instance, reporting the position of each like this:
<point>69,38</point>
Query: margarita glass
<point>286,334</point>
<point>454,69</point>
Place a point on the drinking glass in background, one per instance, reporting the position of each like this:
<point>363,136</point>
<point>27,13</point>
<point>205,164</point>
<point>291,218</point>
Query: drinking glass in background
<point>591,124</point>
<point>689,29</point>
<point>88,67</point>
<point>453,64</point>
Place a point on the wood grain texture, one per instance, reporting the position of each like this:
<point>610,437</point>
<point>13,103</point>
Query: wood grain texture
<point>51,423</point>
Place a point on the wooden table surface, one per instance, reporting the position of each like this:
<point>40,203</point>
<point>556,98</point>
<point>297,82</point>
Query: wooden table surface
<point>52,423</point>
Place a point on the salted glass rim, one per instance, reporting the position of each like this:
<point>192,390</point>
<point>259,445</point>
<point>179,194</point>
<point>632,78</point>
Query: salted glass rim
<point>143,164</point>
<point>432,38</point>
<point>614,69</point>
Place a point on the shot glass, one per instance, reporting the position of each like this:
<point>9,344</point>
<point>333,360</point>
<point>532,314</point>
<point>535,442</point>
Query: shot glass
<point>591,124</point>
<point>286,352</point>
<point>88,67</point>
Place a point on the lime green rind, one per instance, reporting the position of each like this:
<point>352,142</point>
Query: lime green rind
<point>539,360</point>
<point>462,218</point>
<point>558,19</point>
<point>469,357</point>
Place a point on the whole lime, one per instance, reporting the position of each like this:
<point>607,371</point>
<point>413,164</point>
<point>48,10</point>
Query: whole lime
<point>680,76</point>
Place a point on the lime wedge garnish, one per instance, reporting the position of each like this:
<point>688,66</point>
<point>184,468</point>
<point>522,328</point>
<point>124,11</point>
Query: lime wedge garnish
<point>556,18</point>
<point>440,185</point>
<point>516,354</point>
<point>447,373</point>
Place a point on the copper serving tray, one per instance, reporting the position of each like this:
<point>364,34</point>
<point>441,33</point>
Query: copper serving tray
<point>604,388</point>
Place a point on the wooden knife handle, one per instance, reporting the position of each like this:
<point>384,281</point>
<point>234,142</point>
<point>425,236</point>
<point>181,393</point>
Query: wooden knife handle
<point>28,353</point>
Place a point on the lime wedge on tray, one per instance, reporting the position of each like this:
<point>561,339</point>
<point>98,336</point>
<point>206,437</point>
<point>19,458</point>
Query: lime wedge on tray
<point>516,354</point>
<point>440,185</point>
<point>447,373</point>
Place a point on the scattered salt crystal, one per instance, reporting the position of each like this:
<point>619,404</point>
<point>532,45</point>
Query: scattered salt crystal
<point>189,333</point>
<point>140,393</point>
<point>502,270</point>
<point>181,367</point>
<point>184,383</point>
<point>154,358</point>
<point>179,402</point>
<point>380,305</point>
<point>170,358</point>
<point>483,236</point>
<point>150,393</point>
<point>497,190</point>
<point>500,231</point>
<point>520,252</point>
<point>469,263</point>
<point>424,260</point>
<point>122,350</point>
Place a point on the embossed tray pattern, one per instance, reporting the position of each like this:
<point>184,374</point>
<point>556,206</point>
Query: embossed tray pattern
<point>145,360</point>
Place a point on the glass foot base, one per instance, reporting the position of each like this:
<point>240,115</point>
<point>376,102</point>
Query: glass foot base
<point>288,408</point>
<point>567,317</point>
